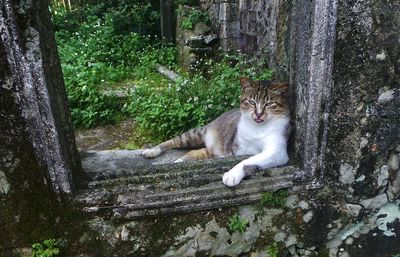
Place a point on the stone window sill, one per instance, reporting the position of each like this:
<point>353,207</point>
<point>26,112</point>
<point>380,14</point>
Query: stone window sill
<point>124,185</point>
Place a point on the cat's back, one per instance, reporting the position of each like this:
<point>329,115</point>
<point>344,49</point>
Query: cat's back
<point>221,133</point>
<point>227,120</point>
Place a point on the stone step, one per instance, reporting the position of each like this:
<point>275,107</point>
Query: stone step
<point>128,186</point>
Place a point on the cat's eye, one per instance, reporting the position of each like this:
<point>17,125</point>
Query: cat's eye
<point>272,105</point>
<point>252,102</point>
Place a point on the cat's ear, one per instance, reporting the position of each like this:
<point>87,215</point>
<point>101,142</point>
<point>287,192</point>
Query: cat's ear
<point>279,88</point>
<point>245,83</point>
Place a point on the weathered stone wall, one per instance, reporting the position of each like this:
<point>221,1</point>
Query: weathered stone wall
<point>37,153</point>
<point>298,40</point>
<point>256,27</point>
<point>195,44</point>
<point>319,222</point>
<point>225,16</point>
<point>364,122</point>
<point>342,59</point>
<point>364,126</point>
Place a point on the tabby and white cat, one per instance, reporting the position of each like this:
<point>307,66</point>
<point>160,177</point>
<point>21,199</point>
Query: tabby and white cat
<point>259,128</point>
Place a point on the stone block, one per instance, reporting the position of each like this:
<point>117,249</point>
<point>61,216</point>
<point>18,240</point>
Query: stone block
<point>195,42</point>
<point>248,44</point>
<point>229,43</point>
<point>229,12</point>
<point>210,39</point>
<point>251,26</point>
<point>229,30</point>
<point>201,51</point>
<point>201,29</point>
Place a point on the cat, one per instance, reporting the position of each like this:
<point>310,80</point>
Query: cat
<point>259,128</point>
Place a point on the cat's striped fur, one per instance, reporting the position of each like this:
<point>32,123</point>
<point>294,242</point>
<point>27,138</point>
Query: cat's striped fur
<point>258,128</point>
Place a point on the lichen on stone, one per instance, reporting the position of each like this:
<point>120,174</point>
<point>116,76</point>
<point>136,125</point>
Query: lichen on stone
<point>4,185</point>
<point>215,240</point>
<point>388,214</point>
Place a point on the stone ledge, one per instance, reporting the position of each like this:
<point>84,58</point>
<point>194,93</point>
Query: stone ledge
<point>122,184</point>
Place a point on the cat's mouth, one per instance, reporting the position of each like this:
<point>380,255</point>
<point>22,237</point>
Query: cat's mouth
<point>258,120</point>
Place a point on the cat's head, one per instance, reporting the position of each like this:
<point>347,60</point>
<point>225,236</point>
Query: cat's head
<point>262,99</point>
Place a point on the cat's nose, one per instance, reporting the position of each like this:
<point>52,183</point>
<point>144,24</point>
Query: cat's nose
<point>258,115</point>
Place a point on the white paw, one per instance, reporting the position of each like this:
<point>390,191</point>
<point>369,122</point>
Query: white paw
<point>152,152</point>
<point>234,176</point>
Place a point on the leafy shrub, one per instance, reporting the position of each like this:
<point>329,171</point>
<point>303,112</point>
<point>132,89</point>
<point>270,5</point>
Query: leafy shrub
<point>274,199</point>
<point>195,16</point>
<point>168,110</point>
<point>103,43</point>
<point>127,16</point>
<point>48,248</point>
<point>186,2</point>
<point>237,224</point>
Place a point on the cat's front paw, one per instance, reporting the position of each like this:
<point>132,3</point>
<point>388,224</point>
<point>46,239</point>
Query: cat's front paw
<point>234,176</point>
<point>152,152</point>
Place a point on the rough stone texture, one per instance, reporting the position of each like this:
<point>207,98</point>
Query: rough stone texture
<point>194,44</point>
<point>217,241</point>
<point>32,75</point>
<point>258,27</point>
<point>312,42</point>
<point>158,186</point>
<point>366,95</point>
<point>225,16</point>
<point>347,100</point>
<point>37,153</point>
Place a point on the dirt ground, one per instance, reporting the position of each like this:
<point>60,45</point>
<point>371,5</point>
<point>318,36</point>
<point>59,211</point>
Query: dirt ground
<point>106,137</point>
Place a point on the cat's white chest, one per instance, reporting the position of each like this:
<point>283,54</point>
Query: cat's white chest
<point>249,143</point>
<point>252,138</point>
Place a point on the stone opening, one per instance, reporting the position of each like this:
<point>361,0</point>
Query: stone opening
<point>355,150</point>
<point>124,185</point>
<point>50,130</point>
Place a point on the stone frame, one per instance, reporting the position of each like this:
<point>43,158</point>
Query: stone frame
<point>49,124</point>
<point>310,70</point>
<point>355,213</point>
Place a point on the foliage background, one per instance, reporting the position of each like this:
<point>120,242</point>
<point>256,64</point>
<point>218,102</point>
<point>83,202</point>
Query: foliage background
<point>117,44</point>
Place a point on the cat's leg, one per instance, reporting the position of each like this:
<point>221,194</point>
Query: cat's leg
<point>159,149</point>
<point>273,156</point>
<point>190,139</point>
<point>200,154</point>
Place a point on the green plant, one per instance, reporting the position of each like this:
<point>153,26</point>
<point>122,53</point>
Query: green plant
<point>105,43</point>
<point>166,110</point>
<point>323,252</point>
<point>274,199</point>
<point>195,16</point>
<point>126,16</point>
<point>237,224</point>
<point>48,248</point>
<point>186,2</point>
<point>273,250</point>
